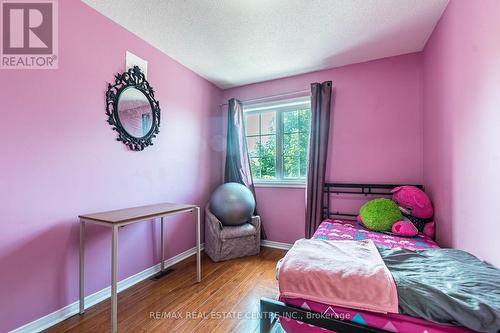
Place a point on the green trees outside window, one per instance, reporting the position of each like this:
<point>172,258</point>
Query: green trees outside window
<point>278,142</point>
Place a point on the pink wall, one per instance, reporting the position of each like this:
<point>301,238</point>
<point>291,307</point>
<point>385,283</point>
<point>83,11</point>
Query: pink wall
<point>60,159</point>
<point>376,132</point>
<point>462,126</point>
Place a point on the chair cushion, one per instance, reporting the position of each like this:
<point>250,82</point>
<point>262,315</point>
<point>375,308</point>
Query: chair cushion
<point>244,230</point>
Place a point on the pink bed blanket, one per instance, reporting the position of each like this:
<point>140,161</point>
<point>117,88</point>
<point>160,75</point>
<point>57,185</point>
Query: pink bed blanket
<point>352,230</point>
<point>345,273</point>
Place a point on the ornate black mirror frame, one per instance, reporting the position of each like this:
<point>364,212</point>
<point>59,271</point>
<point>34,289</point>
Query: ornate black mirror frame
<point>132,78</point>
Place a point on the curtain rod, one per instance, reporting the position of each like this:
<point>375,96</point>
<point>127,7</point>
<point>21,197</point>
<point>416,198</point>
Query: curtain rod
<point>271,96</point>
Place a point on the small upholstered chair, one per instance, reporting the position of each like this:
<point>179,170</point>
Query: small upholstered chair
<point>229,242</point>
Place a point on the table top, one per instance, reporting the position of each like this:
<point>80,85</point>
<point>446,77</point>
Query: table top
<point>137,213</point>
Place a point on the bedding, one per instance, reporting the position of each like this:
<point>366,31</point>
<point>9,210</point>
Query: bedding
<point>393,247</point>
<point>389,322</point>
<point>334,271</point>
<point>352,230</point>
<point>446,286</point>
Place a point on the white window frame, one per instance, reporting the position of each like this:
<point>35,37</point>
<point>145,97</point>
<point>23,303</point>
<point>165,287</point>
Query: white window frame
<point>280,107</point>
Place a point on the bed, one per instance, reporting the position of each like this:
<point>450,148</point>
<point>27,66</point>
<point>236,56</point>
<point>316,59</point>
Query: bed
<point>306,316</point>
<point>334,229</point>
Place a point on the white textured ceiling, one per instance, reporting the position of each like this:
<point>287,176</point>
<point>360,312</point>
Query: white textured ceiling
<point>236,42</point>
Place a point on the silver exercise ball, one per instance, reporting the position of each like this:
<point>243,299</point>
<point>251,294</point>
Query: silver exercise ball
<point>232,203</point>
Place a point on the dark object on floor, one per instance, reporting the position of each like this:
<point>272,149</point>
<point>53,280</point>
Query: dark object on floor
<point>161,274</point>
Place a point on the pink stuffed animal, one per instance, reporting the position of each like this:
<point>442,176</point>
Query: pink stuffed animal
<point>416,207</point>
<point>404,228</point>
<point>414,200</point>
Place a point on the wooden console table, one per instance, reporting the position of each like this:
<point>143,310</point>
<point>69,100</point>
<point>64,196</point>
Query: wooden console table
<point>117,218</point>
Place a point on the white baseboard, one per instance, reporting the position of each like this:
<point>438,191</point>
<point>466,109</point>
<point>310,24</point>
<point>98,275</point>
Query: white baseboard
<point>90,300</point>
<point>276,245</point>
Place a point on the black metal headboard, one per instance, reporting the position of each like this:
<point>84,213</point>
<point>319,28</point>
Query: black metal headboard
<point>328,210</point>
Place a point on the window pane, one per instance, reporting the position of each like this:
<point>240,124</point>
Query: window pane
<point>268,123</point>
<point>291,155</point>
<point>303,153</point>
<point>292,134</point>
<point>304,120</point>
<point>252,124</point>
<point>253,146</point>
<point>290,121</point>
<point>255,167</point>
<point>268,157</point>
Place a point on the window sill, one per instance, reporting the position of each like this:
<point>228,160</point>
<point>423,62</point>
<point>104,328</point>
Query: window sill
<point>282,185</point>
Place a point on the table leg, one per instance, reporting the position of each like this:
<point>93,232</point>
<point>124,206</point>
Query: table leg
<point>198,246</point>
<point>114,296</point>
<point>162,246</point>
<point>82,266</point>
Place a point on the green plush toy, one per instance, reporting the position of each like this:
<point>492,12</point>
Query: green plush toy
<point>380,214</point>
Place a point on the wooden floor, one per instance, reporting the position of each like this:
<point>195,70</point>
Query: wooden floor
<point>175,303</point>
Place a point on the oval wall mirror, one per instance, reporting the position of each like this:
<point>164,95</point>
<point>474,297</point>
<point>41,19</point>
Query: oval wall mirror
<point>135,112</point>
<point>132,109</point>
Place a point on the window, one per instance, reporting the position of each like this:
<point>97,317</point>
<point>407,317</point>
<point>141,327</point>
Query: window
<point>278,141</point>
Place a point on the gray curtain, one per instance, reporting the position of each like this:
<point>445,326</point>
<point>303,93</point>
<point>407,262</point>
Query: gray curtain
<point>321,95</point>
<point>237,167</point>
